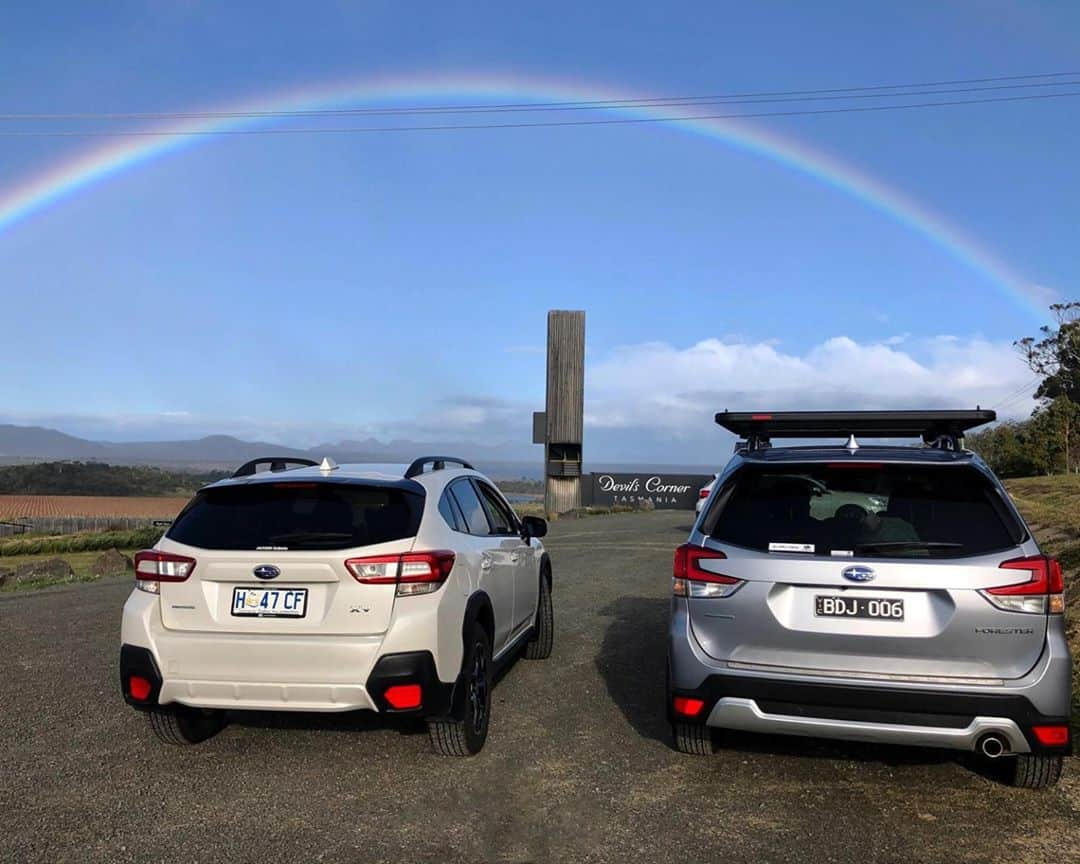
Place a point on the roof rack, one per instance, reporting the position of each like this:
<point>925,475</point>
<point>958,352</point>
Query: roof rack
<point>438,463</point>
<point>944,429</point>
<point>276,463</point>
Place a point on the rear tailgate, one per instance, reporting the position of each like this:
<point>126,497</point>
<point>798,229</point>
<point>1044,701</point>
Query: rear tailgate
<point>270,556</point>
<point>223,595</point>
<point>945,626</point>
<point>865,568</point>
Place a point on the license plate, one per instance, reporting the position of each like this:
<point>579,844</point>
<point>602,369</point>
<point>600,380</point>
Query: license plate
<point>269,602</point>
<point>832,606</point>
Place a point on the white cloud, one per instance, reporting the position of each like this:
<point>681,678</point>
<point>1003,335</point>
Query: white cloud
<point>654,402</point>
<point>663,388</point>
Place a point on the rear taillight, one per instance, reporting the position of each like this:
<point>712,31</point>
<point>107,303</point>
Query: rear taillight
<point>1042,593</point>
<point>412,573</point>
<point>153,567</point>
<point>704,493</point>
<point>691,579</point>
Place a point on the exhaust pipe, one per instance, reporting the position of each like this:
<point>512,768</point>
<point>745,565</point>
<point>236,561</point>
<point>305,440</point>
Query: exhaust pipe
<point>993,745</point>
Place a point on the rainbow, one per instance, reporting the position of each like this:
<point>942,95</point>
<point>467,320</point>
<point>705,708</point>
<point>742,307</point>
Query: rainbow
<point>60,182</point>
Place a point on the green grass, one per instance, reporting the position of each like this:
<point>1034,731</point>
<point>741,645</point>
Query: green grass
<point>80,562</point>
<point>1051,507</point>
<point>66,544</point>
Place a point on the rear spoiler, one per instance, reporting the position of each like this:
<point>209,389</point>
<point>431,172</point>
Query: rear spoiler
<point>276,463</point>
<point>943,429</point>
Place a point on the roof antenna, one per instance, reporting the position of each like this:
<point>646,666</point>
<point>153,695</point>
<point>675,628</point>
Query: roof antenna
<point>328,465</point>
<point>852,445</point>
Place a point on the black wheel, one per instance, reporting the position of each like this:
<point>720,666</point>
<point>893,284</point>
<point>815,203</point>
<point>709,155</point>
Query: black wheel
<point>179,724</point>
<point>539,647</point>
<point>1029,771</point>
<point>693,738</point>
<point>465,737</point>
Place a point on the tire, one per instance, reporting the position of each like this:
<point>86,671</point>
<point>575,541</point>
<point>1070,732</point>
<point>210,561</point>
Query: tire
<point>181,725</point>
<point>466,737</point>
<point>693,739</point>
<point>1029,771</point>
<point>539,647</point>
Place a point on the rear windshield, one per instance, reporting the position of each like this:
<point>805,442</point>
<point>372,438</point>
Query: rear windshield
<point>867,510</point>
<point>297,516</point>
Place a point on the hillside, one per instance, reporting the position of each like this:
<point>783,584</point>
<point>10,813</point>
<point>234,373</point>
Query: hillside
<point>1051,507</point>
<point>97,478</point>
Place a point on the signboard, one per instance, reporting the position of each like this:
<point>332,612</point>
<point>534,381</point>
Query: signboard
<point>666,491</point>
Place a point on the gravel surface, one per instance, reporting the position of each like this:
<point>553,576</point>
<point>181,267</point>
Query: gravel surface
<point>577,767</point>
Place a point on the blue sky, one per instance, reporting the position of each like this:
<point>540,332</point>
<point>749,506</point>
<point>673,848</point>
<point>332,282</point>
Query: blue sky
<point>313,288</point>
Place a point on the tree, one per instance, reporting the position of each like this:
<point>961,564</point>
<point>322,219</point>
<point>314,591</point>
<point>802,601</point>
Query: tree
<point>1054,434</point>
<point>1056,356</point>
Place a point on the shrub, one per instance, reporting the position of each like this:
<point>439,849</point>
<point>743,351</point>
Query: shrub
<point>135,538</point>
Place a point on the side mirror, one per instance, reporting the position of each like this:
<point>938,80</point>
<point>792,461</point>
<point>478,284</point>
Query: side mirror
<point>533,526</point>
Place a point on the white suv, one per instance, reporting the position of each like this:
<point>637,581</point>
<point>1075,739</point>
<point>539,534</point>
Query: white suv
<point>336,588</point>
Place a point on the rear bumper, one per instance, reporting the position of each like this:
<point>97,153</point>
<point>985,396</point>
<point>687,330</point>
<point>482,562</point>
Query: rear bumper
<point>926,718</point>
<point>942,713</point>
<point>253,672</point>
<point>417,667</point>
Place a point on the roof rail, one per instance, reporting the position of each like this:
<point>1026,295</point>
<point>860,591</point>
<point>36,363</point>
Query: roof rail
<point>941,428</point>
<point>276,463</point>
<point>438,463</point>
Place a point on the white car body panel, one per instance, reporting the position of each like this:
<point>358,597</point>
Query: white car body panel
<point>209,658</point>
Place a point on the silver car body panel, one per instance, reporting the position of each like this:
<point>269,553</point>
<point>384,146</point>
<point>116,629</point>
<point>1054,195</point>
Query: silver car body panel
<point>745,715</point>
<point>952,640</point>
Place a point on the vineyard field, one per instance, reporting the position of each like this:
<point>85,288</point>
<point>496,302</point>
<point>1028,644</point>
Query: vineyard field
<point>31,507</point>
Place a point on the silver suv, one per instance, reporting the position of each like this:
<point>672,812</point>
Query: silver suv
<point>311,587</point>
<point>871,593</point>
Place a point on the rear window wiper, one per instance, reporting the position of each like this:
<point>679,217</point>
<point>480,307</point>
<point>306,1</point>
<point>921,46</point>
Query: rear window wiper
<point>905,544</point>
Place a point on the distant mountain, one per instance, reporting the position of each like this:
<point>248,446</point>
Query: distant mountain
<point>36,443</point>
<point>213,450</point>
<point>502,461</point>
<point>401,450</point>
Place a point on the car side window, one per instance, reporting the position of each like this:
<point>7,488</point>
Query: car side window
<point>448,508</point>
<point>475,518</point>
<point>502,519</point>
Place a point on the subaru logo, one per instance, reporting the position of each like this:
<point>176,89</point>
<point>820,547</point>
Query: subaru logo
<point>266,571</point>
<point>856,573</point>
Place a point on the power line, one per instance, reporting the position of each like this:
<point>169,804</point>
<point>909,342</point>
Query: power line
<point>1023,391</point>
<point>620,121</point>
<point>590,105</point>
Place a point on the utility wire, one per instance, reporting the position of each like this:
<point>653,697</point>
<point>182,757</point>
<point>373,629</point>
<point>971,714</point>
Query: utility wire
<point>840,93</point>
<point>1020,393</point>
<point>620,121</point>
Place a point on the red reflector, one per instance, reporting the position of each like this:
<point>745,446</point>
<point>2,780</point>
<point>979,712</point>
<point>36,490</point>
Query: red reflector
<point>139,688</point>
<point>687,706</point>
<point>403,696</point>
<point>1052,736</point>
<point>704,493</point>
